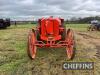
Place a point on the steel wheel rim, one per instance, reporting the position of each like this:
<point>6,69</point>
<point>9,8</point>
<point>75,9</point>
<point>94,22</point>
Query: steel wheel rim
<point>32,47</point>
<point>70,41</point>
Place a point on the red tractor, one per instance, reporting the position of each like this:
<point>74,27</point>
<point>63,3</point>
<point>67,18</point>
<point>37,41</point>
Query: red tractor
<point>51,32</point>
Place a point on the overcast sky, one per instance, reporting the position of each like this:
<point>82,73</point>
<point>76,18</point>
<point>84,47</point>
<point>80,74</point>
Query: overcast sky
<point>38,8</point>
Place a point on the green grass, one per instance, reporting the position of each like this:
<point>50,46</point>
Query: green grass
<point>78,27</point>
<point>13,47</point>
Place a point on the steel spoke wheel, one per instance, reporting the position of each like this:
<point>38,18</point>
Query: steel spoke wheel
<point>70,43</point>
<point>31,44</point>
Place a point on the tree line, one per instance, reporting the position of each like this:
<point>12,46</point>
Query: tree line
<point>85,20</point>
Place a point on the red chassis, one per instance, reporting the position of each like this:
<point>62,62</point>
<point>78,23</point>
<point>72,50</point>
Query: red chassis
<point>51,32</point>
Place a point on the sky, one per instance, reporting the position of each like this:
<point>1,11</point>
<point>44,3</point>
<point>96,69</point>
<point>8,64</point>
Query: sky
<point>29,9</point>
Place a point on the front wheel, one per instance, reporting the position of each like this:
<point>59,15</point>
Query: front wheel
<point>70,49</point>
<point>31,44</point>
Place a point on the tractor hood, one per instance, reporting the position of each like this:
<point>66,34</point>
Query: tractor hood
<point>50,27</point>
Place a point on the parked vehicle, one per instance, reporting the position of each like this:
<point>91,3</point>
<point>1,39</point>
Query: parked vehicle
<point>4,23</point>
<point>95,26</point>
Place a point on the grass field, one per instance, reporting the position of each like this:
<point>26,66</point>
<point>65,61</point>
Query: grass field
<point>14,59</point>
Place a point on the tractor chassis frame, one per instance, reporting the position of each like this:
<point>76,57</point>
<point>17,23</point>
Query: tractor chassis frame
<point>52,44</point>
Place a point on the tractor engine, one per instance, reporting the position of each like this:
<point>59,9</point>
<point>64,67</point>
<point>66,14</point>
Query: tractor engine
<point>50,28</point>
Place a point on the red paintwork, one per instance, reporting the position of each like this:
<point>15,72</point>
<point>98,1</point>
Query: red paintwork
<point>50,27</point>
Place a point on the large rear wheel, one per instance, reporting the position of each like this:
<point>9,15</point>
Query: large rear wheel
<point>71,44</point>
<point>31,44</point>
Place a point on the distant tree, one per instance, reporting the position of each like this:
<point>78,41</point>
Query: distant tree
<point>82,20</point>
